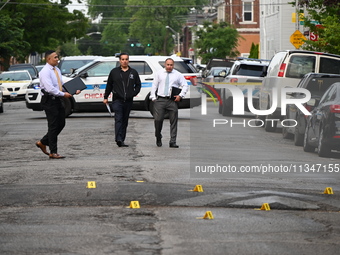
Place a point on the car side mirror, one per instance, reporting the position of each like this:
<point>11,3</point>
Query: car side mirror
<point>84,75</point>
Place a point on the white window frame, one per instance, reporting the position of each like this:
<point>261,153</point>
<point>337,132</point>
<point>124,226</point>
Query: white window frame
<point>251,2</point>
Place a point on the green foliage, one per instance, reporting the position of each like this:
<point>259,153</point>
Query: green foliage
<point>254,51</point>
<point>46,25</point>
<point>11,39</point>
<point>327,13</point>
<point>141,21</point>
<point>69,49</point>
<point>216,41</point>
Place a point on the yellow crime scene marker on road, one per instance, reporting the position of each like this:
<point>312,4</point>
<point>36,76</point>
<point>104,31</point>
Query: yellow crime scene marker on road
<point>91,185</point>
<point>208,216</point>
<point>198,188</point>
<point>134,204</point>
<point>264,207</point>
<point>328,191</point>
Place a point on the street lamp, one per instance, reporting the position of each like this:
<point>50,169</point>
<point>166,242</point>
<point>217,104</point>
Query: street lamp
<point>177,35</point>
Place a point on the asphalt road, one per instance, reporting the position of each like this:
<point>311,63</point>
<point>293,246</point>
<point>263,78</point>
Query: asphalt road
<point>46,207</point>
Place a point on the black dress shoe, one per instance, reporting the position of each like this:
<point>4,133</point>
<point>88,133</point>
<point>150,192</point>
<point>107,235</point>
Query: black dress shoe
<point>122,144</point>
<point>159,142</point>
<point>173,145</point>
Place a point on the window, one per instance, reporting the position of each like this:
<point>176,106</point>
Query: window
<point>102,69</point>
<point>141,67</point>
<point>249,70</point>
<point>329,65</point>
<point>247,11</point>
<point>299,65</point>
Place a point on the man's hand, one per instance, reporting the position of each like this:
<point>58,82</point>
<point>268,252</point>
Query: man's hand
<point>78,92</point>
<point>67,95</point>
<point>177,98</point>
<point>105,101</point>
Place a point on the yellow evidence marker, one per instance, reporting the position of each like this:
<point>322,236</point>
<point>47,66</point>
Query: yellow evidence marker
<point>198,188</point>
<point>134,204</point>
<point>328,191</point>
<point>208,215</point>
<point>264,207</point>
<point>91,185</point>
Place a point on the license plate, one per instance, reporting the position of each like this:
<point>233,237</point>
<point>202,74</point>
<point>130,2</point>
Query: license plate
<point>14,94</point>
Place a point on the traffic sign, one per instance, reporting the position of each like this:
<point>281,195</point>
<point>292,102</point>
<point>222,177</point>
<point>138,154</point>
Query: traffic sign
<point>297,39</point>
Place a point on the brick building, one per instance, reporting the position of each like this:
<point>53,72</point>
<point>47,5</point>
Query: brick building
<point>244,15</point>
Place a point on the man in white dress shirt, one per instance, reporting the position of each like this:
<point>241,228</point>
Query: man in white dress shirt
<point>166,82</point>
<point>51,87</point>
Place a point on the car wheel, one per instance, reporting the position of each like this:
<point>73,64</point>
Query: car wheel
<point>323,149</point>
<point>220,105</point>
<point>227,107</point>
<point>286,134</point>
<point>270,126</point>
<point>306,146</point>
<point>259,121</point>
<point>298,138</point>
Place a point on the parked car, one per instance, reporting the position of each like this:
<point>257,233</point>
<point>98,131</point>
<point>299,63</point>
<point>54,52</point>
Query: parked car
<point>243,74</point>
<point>286,69</point>
<point>216,74</point>
<point>39,67</point>
<point>95,74</point>
<point>295,120</point>
<point>323,126</point>
<point>1,101</point>
<point>14,83</point>
<point>68,65</point>
<point>216,62</point>
<point>29,67</point>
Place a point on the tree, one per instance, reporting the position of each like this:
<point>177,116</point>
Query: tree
<point>216,41</point>
<point>46,25</point>
<point>141,21</point>
<point>254,51</point>
<point>11,39</point>
<point>326,13</point>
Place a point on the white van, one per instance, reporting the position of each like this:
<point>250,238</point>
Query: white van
<point>95,74</point>
<point>285,70</point>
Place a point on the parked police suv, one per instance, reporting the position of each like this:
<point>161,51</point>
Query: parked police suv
<point>95,74</point>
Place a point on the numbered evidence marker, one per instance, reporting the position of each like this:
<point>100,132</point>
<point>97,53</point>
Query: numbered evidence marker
<point>208,215</point>
<point>198,188</point>
<point>91,185</point>
<point>134,204</point>
<point>328,191</point>
<point>264,207</point>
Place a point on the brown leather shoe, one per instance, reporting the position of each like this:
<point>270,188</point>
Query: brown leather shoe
<point>56,156</point>
<point>42,147</point>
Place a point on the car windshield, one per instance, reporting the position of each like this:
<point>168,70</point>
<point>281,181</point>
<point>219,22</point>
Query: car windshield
<point>31,70</point>
<point>20,76</point>
<point>250,70</point>
<point>216,71</point>
<point>65,66</point>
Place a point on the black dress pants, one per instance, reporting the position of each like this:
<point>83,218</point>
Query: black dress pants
<point>55,114</point>
<point>122,111</point>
